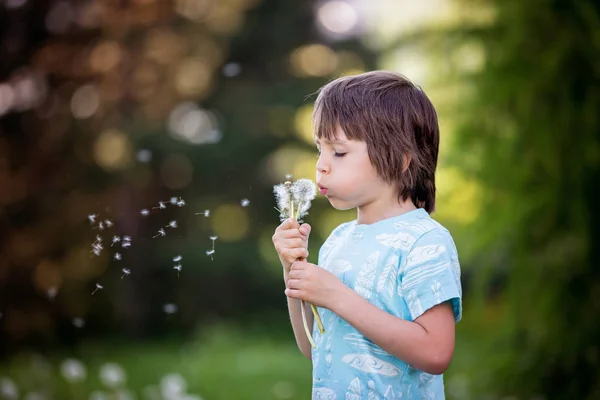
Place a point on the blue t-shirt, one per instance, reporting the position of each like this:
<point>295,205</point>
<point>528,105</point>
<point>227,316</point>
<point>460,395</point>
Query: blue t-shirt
<point>404,265</point>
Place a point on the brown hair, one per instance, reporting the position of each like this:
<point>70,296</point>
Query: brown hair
<point>396,120</point>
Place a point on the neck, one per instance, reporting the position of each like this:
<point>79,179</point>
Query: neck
<point>376,211</point>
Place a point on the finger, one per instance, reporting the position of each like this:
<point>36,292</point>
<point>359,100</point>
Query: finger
<point>288,224</point>
<point>295,243</point>
<point>291,234</point>
<point>305,230</point>
<point>293,293</point>
<point>298,265</point>
<point>296,253</point>
<point>295,274</point>
<point>294,283</point>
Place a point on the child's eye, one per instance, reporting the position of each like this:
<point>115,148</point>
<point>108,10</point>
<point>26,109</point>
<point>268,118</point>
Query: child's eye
<point>339,154</point>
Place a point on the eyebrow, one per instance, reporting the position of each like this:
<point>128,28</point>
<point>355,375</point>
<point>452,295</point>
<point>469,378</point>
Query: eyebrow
<point>331,141</point>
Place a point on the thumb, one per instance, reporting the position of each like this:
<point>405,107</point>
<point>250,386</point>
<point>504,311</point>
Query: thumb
<point>305,229</point>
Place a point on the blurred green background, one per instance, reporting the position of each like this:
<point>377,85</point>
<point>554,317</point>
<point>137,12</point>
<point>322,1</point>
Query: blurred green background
<point>108,107</point>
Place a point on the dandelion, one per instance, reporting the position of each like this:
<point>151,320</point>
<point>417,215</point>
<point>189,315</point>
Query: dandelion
<point>115,239</point>
<point>294,200</point>
<point>98,239</point>
<point>172,224</point>
<point>161,232</point>
<point>127,238</point>
<point>145,212</point>
<point>180,202</point>
<point>174,201</point>
<point>161,206</point>
<point>126,245</point>
<point>206,213</point>
<point>96,248</point>
<point>78,322</point>
<point>92,218</point>
<point>112,375</point>
<point>178,268</point>
<point>210,253</point>
<point>98,287</point>
<point>245,202</point>
<point>125,272</point>
<point>177,258</point>
<point>108,223</point>
<point>170,308</point>
<point>101,225</point>
<point>117,256</point>
<point>73,370</point>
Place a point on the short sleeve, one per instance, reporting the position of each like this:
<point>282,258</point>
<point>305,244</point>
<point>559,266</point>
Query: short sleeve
<point>430,274</point>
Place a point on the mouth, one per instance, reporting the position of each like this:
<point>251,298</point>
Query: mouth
<point>322,190</point>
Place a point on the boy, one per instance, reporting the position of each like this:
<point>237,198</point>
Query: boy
<point>388,283</point>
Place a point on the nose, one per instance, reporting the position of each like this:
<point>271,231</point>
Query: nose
<point>322,166</point>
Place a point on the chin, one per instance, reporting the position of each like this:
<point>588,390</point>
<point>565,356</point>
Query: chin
<point>340,205</point>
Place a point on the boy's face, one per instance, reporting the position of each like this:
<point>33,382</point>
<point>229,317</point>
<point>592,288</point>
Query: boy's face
<point>345,174</point>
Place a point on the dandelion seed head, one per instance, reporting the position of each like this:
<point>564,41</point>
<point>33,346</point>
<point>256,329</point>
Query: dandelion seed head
<point>100,226</point>
<point>108,223</point>
<point>170,308</point>
<point>126,245</point>
<point>98,238</point>
<point>73,370</point>
<point>213,237</point>
<point>282,197</point>
<point>117,256</point>
<point>178,267</point>
<point>177,258</point>
<point>145,212</point>
<point>99,286</point>
<point>126,271</point>
<point>173,200</point>
<point>92,218</point>
<point>210,252</point>
<point>78,322</point>
<point>181,202</point>
<point>245,202</point>
<point>127,238</point>
<point>172,224</point>
<point>112,375</point>
<point>52,292</point>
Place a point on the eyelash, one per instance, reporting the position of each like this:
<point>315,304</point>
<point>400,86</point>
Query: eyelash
<point>336,154</point>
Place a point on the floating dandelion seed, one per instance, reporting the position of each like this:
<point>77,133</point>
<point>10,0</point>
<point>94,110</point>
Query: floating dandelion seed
<point>161,232</point>
<point>181,202</point>
<point>288,176</point>
<point>174,201</point>
<point>178,268</point>
<point>210,253</point>
<point>206,213</point>
<point>115,239</point>
<point>108,223</point>
<point>145,212</point>
<point>98,287</point>
<point>117,256</point>
<point>92,218</point>
<point>100,226</point>
<point>161,206</point>
<point>126,245</point>
<point>170,308</point>
<point>177,258</point>
<point>172,224</point>
<point>125,272</point>
<point>96,248</point>
<point>245,202</point>
<point>213,238</point>
<point>96,251</point>
<point>98,239</point>
<point>78,322</point>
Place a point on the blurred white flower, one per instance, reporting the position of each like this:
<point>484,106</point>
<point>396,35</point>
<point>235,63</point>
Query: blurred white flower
<point>170,308</point>
<point>78,322</point>
<point>112,375</point>
<point>245,202</point>
<point>73,370</point>
<point>98,395</point>
<point>34,396</point>
<point>172,386</point>
<point>8,389</point>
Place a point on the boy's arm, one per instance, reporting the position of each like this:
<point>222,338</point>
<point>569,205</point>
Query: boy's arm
<point>294,309</point>
<point>426,344</point>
